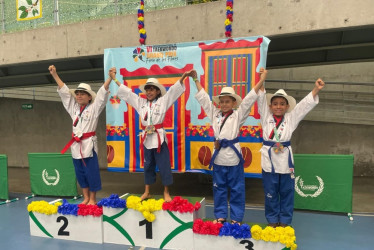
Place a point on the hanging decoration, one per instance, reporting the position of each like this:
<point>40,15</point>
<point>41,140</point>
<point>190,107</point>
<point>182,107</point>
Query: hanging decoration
<point>229,14</point>
<point>141,29</point>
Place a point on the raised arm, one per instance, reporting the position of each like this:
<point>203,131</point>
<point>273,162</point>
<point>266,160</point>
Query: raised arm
<point>306,104</point>
<point>112,74</point>
<point>53,72</point>
<point>196,80</point>
<point>260,84</point>
<point>124,92</point>
<point>319,84</point>
<point>202,97</point>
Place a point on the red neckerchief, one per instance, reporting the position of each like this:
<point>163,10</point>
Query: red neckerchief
<point>278,122</point>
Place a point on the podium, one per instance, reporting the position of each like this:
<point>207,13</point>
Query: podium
<point>126,220</point>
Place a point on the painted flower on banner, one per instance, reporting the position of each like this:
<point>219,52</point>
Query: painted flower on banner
<point>117,130</point>
<point>251,131</point>
<point>29,9</point>
<point>138,54</point>
<point>114,99</point>
<point>198,130</point>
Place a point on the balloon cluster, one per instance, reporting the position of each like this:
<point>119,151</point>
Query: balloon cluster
<point>142,31</point>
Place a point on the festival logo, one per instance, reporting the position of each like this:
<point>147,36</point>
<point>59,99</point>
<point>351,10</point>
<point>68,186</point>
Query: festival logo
<point>50,180</point>
<point>156,53</point>
<point>309,190</point>
<point>138,54</point>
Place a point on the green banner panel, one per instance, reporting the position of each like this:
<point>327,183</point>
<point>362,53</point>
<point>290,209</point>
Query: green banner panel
<point>4,177</point>
<point>52,174</point>
<point>324,182</point>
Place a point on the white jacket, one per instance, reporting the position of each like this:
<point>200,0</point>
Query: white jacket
<point>159,108</point>
<point>87,122</point>
<point>230,130</point>
<point>291,120</point>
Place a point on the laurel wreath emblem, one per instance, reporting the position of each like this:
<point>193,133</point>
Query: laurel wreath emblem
<point>45,173</point>
<point>316,194</point>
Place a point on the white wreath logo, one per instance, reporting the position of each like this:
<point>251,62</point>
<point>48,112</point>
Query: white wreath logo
<point>316,194</point>
<point>46,177</point>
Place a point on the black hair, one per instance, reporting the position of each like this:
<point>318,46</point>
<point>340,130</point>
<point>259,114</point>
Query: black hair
<point>80,90</point>
<point>154,87</point>
<point>233,98</point>
<point>276,96</point>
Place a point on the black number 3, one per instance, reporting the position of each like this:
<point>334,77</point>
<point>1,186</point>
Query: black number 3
<point>64,226</point>
<point>249,246</point>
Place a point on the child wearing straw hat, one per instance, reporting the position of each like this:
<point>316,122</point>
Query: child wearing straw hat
<point>280,116</point>
<point>152,110</point>
<point>227,160</point>
<point>84,107</point>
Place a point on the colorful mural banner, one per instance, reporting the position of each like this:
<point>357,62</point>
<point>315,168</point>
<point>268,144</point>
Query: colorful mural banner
<point>234,62</point>
<point>29,9</point>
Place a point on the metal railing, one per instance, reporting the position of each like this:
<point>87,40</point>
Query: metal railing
<point>56,12</point>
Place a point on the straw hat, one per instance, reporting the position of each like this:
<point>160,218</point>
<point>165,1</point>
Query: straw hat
<point>153,82</point>
<point>228,91</point>
<point>86,88</point>
<point>282,93</point>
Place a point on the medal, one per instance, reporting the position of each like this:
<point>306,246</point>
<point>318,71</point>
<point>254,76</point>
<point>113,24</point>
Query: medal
<point>278,147</point>
<point>292,173</point>
<point>78,134</point>
<point>150,129</point>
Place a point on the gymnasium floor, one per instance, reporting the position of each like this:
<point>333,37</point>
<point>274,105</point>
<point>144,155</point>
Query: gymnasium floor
<point>314,230</point>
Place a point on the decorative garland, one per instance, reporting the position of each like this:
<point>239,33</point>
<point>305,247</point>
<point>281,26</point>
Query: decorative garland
<point>178,204</point>
<point>43,207</point>
<point>284,235</point>
<point>93,210</point>
<point>112,201</point>
<point>235,230</point>
<point>65,208</point>
<point>206,227</point>
<point>229,14</point>
<point>146,207</point>
<point>141,29</point>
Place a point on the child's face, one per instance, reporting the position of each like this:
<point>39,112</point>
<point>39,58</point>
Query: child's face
<point>152,93</point>
<point>227,103</point>
<point>279,106</point>
<point>82,97</point>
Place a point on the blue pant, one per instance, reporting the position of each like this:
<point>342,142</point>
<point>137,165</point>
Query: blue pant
<point>88,176</point>
<point>279,197</point>
<point>162,160</point>
<point>225,178</point>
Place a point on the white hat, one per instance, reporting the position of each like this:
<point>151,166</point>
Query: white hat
<point>153,82</point>
<point>228,91</point>
<point>86,88</point>
<point>282,93</point>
